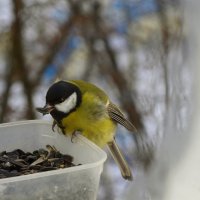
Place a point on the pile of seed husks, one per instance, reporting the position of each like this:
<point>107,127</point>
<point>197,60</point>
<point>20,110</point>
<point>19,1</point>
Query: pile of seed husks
<point>18,162</point>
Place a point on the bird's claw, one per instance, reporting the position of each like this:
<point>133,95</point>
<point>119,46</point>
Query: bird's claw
<point>74,134</point>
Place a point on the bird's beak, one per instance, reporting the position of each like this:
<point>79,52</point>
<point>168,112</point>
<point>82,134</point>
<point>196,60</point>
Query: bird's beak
<point>46,109</point>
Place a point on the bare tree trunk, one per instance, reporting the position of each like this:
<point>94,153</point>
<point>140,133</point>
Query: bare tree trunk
<point>18,56</point>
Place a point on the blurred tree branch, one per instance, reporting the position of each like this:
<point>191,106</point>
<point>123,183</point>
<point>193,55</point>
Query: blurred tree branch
<point>161,5</point>
<point>18,56</point>
<point>8,83</point>
<point>17,65</point>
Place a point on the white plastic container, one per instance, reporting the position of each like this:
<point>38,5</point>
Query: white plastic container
<point>75,183</point>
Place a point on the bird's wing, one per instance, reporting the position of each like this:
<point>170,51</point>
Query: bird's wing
<point>115,114</point>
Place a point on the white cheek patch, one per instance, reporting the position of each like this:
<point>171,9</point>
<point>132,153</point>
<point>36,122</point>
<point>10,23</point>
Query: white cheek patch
<point>67,105</point>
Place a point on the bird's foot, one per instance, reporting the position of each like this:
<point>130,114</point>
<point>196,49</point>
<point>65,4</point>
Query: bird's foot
<point>74,135</point>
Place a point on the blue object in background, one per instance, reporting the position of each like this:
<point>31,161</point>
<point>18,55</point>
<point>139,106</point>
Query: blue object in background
<point>61,57</point>
<point>122,12</point>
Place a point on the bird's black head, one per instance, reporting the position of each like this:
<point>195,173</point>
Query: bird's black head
<point>62,98</point>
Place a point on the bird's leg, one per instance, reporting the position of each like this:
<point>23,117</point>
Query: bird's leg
<point>59,126</point>
<point>63,130</point>
<point>53,125</point>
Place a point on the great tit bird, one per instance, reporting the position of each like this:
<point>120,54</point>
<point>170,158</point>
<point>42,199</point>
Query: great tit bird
<point>77,105</point>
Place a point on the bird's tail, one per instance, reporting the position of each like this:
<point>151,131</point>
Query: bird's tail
<point>120,160</point>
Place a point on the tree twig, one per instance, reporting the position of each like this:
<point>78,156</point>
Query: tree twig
<point>161,4</point>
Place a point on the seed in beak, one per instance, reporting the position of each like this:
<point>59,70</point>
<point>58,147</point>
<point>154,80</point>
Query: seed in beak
<point>46,109</point>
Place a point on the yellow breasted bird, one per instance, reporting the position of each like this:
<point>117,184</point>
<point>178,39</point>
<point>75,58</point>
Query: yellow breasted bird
<point>81,106</point>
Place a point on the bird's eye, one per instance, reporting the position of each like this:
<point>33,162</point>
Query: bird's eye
<point>60,100</point>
